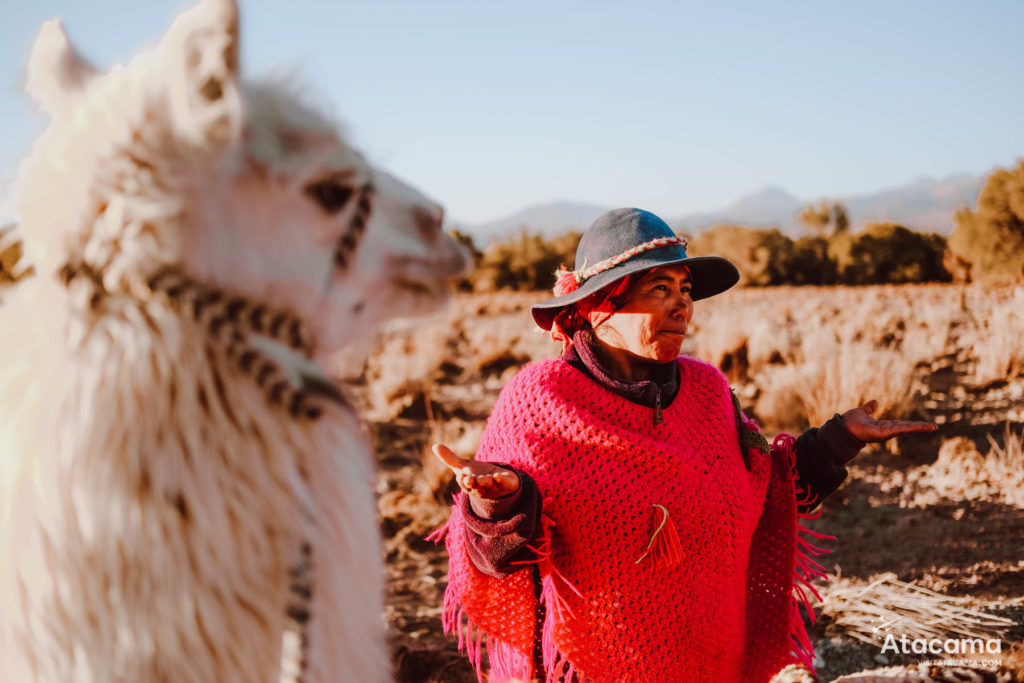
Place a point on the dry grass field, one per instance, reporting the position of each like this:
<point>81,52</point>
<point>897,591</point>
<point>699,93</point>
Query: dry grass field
<point>943,512</point>
<point>929,527</point>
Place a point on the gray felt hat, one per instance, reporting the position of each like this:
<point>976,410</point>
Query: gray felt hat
<point>625,241</point>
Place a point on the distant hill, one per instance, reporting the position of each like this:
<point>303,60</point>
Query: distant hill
<point>553,218</point>
<point>768,207</point>
<point>925,204</point>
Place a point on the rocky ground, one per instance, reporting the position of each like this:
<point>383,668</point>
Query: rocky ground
<point>944,512</point>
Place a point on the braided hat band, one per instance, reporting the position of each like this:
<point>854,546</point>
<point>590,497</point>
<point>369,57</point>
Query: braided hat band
<point>570,280</point>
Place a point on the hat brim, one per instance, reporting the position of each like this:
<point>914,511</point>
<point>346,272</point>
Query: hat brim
<point>711,275</point>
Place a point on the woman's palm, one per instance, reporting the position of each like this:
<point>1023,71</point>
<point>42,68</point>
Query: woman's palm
<point>482,479</point>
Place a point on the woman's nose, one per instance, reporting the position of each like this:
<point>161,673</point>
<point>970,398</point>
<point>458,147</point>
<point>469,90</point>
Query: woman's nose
<point>682,304</point>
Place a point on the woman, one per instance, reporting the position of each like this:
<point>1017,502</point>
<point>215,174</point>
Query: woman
<point>622,519</point>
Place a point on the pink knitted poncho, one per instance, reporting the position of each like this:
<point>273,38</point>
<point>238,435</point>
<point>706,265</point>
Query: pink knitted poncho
<point>721,610</point>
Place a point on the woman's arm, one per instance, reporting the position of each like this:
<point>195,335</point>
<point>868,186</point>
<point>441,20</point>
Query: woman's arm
<point>501,508</point>
<point>821,457</point>
<point>821,460</point>
<point>498,531</point>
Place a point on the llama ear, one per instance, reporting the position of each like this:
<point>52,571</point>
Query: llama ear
<point>200,51</point>
<point>57,74</point>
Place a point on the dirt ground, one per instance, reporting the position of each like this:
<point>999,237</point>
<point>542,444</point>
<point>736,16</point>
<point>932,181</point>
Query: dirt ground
<point>931,510</point>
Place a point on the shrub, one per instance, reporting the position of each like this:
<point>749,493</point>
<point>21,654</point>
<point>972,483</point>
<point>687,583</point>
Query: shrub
<point>832,375</point>
<point>811,263</point>
<point>988,242</point>
<point>763,257</point>
<point>524,261</point>
<point>888,253</point>
<point>881,253</point>
<point>998,348</point>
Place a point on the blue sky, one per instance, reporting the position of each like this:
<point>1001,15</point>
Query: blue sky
<point>672,106</point>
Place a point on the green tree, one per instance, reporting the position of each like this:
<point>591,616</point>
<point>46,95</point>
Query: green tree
<point>988,242</point>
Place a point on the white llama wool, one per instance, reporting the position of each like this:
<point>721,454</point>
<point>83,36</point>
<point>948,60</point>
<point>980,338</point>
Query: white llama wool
<point>181,491</point>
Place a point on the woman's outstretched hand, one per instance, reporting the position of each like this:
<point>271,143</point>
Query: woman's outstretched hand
<point>481,479</point>
<point>869,430</point>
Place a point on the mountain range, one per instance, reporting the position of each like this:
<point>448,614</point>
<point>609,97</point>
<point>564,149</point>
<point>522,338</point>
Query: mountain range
<point>925,205</point>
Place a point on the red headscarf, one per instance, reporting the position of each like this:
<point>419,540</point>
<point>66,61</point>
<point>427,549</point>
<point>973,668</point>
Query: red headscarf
<point>592,310</point>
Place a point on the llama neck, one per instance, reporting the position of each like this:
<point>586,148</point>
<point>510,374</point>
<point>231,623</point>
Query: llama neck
<point>244,330</point>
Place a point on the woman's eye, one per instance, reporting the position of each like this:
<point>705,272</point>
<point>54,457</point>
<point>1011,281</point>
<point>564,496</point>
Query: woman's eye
<point>661,288</point>
<point>330,194</point>
<point>685,289</point>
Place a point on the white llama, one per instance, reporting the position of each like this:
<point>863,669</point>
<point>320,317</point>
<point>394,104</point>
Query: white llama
<point>183,496</point>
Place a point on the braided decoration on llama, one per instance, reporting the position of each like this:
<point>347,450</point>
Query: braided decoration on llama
<point>346,246</point>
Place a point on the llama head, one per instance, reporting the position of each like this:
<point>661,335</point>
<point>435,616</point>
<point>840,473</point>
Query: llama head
<point>173,161</point>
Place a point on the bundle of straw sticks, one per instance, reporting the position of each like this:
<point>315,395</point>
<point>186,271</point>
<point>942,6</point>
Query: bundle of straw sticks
<point>869,612</point>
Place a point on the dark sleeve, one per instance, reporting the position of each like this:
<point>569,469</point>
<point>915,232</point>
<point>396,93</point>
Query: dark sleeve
<point>821,457</point>
<point>497,531</point>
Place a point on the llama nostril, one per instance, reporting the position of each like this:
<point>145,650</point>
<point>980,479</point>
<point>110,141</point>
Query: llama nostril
<point>428,222</point>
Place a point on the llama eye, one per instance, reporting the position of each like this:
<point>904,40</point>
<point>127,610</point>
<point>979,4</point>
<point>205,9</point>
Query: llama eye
<point>330,194</point>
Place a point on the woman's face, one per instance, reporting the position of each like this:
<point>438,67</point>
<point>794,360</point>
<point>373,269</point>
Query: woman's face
<point>652,324</point>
